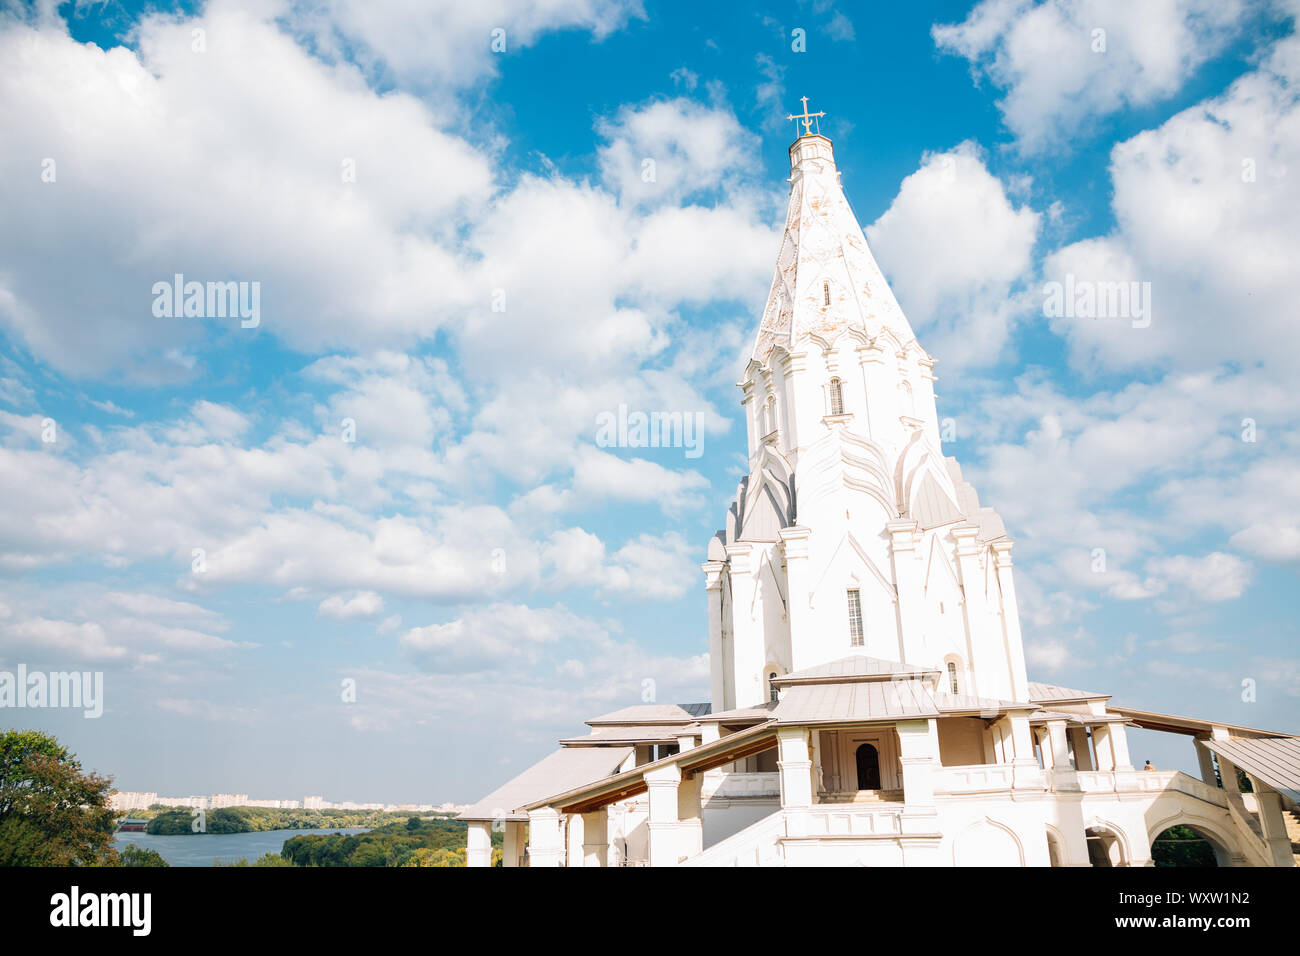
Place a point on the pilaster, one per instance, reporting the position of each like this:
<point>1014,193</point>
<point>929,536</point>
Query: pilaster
<point>794,546</point>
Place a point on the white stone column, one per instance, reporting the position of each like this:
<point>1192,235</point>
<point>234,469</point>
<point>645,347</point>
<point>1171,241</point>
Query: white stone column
<point>1206,761</point>
<point>795,767</point>
<point>1119,745</point>
<point>1101,739</point>
<point>690,814</point>
<point>713,571</point>
<point>818,775</point>
<point>918,742</point>
<point>662,822</point>
<point>1078,740</point>
<point>1063,775</point>
<point>1026,773</point>
<point>1015,647</point>
<point>1272,824</point>
<point>545,842</point>
<point>595,838</point>
<point>478,843</point>
<point>794,546</point>
<point>512,843</point>
<point>574,839</point>
<point>747,650</point>
<point>903,538</point>
<point>975,611</point>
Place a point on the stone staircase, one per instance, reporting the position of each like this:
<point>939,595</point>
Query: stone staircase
<point>862,796</point>
<point>1292,821</point>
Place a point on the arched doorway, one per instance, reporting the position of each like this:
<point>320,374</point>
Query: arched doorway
<point>1104,847</point>
<point>868,760</point>
<point>1184,846</point>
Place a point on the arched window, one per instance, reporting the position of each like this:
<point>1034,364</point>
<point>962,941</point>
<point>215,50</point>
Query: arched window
<point>855,619</point>
<point>952,677</point>
<point>837,397</point>
<point>772,694</point>
<point>826,293</point>
<point>867,759</point>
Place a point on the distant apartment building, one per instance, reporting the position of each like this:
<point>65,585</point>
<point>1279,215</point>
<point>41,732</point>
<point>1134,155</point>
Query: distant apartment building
<point>220,800</point>
<point>124,800</point>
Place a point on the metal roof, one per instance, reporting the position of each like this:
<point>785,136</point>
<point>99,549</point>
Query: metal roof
<point>1192,726</point>
<point>820,703</point>
<point>856,701</point>
<point>1274,760</point>
<point>1086,720</point>
<point>565,769</point>
<point>1042,693</point>
<point>601,792</point>
<point>638,733</point>
<point>653,714</point>
<point>855,668</point>
<point>742,715</point>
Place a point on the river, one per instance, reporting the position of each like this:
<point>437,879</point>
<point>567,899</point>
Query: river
<point>205,849</point>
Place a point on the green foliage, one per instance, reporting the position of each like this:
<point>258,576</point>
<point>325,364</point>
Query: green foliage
<point>133,855</point>
<point>51,814</point>
<point>1182,846</point>
<point>170,822</point>
<point>266,859</point>
<point>436,841</point>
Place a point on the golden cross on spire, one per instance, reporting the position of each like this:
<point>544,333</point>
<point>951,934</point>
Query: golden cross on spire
<point>806,118</point>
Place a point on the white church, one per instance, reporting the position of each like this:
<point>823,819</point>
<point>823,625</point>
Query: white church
<point>869,699</point>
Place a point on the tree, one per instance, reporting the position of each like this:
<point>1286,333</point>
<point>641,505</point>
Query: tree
<point>51,814</point>
<point>133,855</point>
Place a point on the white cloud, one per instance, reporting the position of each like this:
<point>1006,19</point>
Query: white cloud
<point>1203,205</point>
<point>668,150</point>
<point>954,246</point>
<point>483,636</point>
<point>1059,75</point>
<point>133,133</point>
<point>600,476</point>
<point>361,604</point>
<point>449,44</point>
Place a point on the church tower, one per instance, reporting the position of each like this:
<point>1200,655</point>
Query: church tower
<point>852,535</point>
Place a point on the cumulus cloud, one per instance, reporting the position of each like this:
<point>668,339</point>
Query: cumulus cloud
<point>1202,205</point>
<point>1213,577</point>
<point>133,172</point>
<point>668,150</point>
<point>361,604</point>
<point>1062,64</point>
<point>955,247</point>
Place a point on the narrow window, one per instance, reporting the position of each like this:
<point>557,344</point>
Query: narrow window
<point>837,397</point>
<point>826,293</point>
<point>772,694</point>
<point>855,619</point>
<point>952,676</point>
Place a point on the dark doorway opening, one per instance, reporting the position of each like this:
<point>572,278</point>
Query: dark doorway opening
<point>868,768</point>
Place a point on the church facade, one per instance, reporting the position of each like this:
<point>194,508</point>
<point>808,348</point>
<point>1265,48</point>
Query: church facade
<point>870,703</point>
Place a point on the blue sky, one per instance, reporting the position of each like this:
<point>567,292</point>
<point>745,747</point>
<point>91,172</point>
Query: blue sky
<point>486,573</point>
